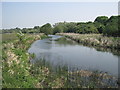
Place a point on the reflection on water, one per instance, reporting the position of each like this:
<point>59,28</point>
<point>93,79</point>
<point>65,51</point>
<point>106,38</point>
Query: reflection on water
<point>46,44</point>
<point>62,51</point>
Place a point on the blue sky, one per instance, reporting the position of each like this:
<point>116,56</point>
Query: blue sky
<point>30,14</point>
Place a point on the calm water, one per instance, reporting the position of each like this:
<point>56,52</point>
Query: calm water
<point>68,52</point>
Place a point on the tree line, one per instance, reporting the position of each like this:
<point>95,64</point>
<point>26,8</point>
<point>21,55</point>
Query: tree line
<point>102,24</point>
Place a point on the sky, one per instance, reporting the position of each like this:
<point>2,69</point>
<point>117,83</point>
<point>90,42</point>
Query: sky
<point>30,14</point>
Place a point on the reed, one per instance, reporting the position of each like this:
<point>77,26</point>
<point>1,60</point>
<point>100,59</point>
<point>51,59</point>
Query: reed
<point>95,40</point>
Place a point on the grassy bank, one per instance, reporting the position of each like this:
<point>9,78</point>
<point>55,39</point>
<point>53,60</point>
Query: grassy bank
<point>99,41</point>
<point>18,72</point>
<point>15,60</point>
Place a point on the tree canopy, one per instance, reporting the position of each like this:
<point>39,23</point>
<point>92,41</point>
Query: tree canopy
<point>112,27</point>
<point>47,29</point>
<point>101,19</point>
<point>102,24</point>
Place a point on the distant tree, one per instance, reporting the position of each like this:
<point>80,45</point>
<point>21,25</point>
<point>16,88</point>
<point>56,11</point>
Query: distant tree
<point>24,30</point>
<point>89,22</point>
<point>17,28</point>
<point>47,29</point>
<point>36,27</point>
<point>86,28</point>
<point>58,29</point>
<point>71,27</point>
<point>100,27</point>
<point>101,19</point>
<point>112,26</point>
<point>64,27</point>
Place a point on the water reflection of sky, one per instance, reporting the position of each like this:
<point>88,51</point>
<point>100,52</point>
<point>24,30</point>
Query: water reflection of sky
<point>74,55</point>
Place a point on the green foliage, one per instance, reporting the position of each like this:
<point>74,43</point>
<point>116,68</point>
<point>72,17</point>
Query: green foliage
<point>100,23</point>
<point>71,27</point>
<point>101,19</point>
<point>112,26</point>
<point>100,27</point>
<point>24,30</point>
<point>16,63</point>
<point>47,29</point>
<point>36,27</point>
<point>75,28</point>
<point>86,28</point>
<point>32,56</point>
<point>21,37</point>
<point>59,28</point>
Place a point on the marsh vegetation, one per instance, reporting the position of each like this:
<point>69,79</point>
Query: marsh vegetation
<point>17,65</point>
<point>17,68</point>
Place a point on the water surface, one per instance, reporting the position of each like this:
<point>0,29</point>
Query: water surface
<point>70,53</point>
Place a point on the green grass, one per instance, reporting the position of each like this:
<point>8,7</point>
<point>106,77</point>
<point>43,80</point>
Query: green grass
<point>7,37</point>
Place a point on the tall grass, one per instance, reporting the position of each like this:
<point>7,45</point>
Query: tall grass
<point>98,41</point>
<point>7,37</point>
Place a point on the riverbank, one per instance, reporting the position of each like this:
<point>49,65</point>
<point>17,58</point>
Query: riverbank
<point>15,60</point>
<point>17,69</point>
<point>98,41</point>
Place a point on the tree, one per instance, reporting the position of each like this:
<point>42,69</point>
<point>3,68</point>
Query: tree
<point>86,28</point>
<point>65,27</point>
<point>17,28</point>
<point>47,29</point>
<point>100,27</point>
<point>36,27</point>
<point>101,19</point>
<point>100,23</point>
<point>24,30</point>
<point>58,29</point>
<point>112,26</point>
<point>71,27</point>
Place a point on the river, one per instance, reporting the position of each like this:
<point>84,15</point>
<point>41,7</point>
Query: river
<point>75,56</point>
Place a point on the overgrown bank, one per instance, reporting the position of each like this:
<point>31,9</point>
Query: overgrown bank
<point>17,69</point>
<point>15,58</point>
<point>97,40</point>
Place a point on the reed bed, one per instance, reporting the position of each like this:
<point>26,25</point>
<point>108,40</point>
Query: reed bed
<point>98,41</point>
<point>95,40</point>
